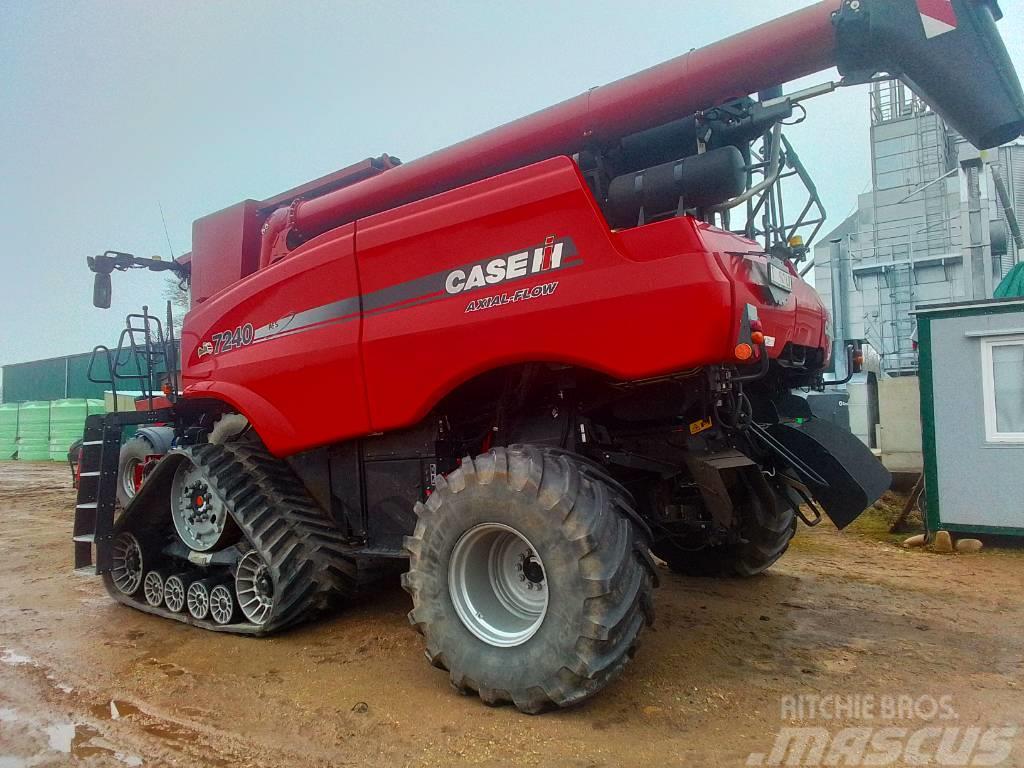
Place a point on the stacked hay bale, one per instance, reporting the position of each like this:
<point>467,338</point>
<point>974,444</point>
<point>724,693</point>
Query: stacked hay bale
<point>8,431</point>
<point>34,431</point>
<point>67,421</point>
<point>43,430</point>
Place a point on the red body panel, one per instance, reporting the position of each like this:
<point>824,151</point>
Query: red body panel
<point>295,387</point>
<point>609,313</point>
<point>225,248</point>
<point>801,320</point>
<point>357,332</point>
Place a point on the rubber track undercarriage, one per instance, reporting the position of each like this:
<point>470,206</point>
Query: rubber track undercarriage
<point>286,564</point>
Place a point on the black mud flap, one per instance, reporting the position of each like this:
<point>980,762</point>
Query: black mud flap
<point>856,479</point>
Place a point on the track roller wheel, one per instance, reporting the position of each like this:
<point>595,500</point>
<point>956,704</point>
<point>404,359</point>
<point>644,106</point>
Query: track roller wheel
<point>222,605</point>
<point>153,588</point>
<point>197,598</point>
<point>175,590</point>
<point>126,564</point>
<point>530,580</point>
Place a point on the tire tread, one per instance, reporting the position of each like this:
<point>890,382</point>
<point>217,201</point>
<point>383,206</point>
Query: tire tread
<point>611,550</point>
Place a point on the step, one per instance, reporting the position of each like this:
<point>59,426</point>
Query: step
<point>92,442</point>
<point>89,474</point>
<point>86,505</point>
<point>84,538</point>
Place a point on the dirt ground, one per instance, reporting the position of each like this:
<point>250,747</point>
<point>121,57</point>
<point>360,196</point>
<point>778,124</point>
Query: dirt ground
<point>85,681</point>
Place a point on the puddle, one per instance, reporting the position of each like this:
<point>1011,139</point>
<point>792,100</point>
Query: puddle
<point>62,736</point>
<point>14,659</point>
<point>37,735</point>
<point>78,740</point>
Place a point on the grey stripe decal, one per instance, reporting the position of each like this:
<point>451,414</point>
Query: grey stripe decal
<point>445,295</point>
<point>308,317</point>
<point>412,293</point>
<point>430,284</point>
<point>303,329</point>
<point>395,294</point>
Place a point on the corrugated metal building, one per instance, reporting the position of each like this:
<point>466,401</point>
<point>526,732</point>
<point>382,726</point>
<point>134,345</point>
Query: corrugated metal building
<point>52,379</point>
<point>58,378</point>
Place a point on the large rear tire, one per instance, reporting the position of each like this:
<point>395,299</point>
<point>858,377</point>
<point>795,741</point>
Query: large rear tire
<point>764,536</point>
<point>523,517</point>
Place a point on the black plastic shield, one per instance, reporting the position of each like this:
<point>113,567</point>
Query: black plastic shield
<point>856,479</point>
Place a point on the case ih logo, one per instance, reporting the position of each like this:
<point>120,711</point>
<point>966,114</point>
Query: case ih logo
<point>938,17</point>
<point>543,258</point>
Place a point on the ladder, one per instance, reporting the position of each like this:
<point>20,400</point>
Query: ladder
<point>902,295</point>
<point>97,494</point>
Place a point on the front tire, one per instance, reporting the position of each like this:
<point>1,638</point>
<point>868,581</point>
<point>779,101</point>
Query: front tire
<point>763,537</point>
<point>149,441</point>
<point>571,536</point>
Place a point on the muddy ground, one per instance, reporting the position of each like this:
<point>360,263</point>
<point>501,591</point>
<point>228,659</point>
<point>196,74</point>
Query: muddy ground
<point>87,682</point>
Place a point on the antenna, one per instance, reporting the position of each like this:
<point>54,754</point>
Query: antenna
<point>167,234</point>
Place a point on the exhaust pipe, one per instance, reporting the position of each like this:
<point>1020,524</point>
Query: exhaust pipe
<point>948,51</point>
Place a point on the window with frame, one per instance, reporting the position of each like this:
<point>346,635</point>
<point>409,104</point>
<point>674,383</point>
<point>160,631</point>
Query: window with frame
<point>1002,373</point>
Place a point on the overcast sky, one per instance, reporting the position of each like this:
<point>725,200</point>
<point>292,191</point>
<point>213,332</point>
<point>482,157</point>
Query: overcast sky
<point>109,110</point>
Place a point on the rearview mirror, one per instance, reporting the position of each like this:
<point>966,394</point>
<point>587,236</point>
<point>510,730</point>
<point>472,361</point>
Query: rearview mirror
<point>101,290</point>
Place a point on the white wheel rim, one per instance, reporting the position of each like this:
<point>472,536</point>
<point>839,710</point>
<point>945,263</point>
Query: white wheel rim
<point>126,564</point>
<point>498,585</point>
<point>174,594</point>
<point>198,513</point>
<point>128,477</point>
<point>222,604</point>
<point>198,600</point>
<point>255,588</point>
<point>153,588</point>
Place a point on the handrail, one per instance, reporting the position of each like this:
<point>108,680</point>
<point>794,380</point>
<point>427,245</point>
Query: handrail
<point>142,344</point>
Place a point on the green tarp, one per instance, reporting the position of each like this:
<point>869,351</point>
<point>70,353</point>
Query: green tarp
<point>1012,286</point>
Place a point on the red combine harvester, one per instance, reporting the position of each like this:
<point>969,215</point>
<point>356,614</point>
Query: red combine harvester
<point>550,350</point>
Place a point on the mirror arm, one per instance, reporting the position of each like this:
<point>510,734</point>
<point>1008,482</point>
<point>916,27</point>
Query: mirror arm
<point>111,260</point>
<point>104,265</point>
